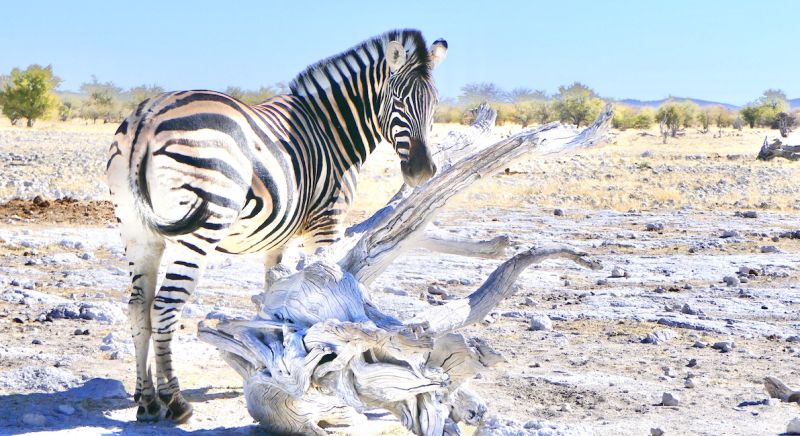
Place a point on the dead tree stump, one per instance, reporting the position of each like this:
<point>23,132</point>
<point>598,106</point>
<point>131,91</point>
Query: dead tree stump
<point>321,352</point>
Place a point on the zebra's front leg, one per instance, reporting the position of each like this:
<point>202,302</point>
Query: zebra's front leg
<point>178,285</point>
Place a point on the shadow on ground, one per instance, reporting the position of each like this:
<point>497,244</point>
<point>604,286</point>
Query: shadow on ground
<point>95,403</point>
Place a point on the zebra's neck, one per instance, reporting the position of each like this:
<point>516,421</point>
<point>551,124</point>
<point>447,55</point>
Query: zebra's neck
<point>344,95</point>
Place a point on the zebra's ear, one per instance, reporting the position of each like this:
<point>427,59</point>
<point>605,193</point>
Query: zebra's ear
<point>438,52</point>
<point>395,55</point>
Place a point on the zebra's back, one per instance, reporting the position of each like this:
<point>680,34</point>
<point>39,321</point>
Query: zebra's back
<point>180,150</point>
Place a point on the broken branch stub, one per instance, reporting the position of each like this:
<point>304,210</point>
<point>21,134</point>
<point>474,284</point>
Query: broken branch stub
<point>320,352</point>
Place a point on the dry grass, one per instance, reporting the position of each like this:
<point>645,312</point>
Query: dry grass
<point>703,171</point>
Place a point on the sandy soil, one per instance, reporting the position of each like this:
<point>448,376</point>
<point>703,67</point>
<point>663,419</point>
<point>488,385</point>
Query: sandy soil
<point>591,374</point>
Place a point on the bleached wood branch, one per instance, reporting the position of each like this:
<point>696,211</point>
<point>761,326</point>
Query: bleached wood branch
<point>319,351</point>
<point>778,149</point>
<point>400,228</point>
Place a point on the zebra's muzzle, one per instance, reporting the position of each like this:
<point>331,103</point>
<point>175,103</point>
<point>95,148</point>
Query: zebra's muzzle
<point>419,167</point>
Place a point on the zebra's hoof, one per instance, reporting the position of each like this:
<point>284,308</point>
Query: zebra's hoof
<point>178,409</point>
<point>149,411</point>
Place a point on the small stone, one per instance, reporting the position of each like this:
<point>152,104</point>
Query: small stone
<point>558,212</point>
<point>646,153</point>
<point>657,226</point>
<point>689,383</point>
<point>86,256</point>
<point>793,427</point>
<point>116,355</point>
<point>65,409</point>
<point>729,234</point>
<point>437,290</point>
<point>669,372</point>
<point>692,363</point>
<point>565,407</point>
<point>746,214</point>
<point>670,399</point>
<point>541,323</point>
<point>395,291</point>
<point>602,282</point>
<point>656,431</point>
<point>658,337</point>
<point>36,342</point>
<point>530,301</point>
<point>81,332</point>
<point>730,280</point>
<point>699,344</point>
<point>724,346</point>
<point>688,310</point>
<point>618,272</point>
<point>746,270</point>
<point>794,338</point>
<point>34,419</point>
<point>770,249</point>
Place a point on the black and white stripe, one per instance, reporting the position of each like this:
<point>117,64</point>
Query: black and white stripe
<point>195,171</point>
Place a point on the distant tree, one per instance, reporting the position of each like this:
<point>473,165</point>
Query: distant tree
<point>669,119</point>
<point>472,94</point>
<point>750,114</point>
<point>785,122</point>
<point>261,95</point>
<point>67,110</point>
<point>577,104</point>
<point>524,94</point>
<point>29,94</point>
<point>704,117</point>
<point>626,117</point>
<point>104,101</point>
<point>771,103</point>
<point>141,93</point>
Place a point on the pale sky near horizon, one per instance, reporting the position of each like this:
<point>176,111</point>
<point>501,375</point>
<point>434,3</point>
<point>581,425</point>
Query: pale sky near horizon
<point>727,51</point>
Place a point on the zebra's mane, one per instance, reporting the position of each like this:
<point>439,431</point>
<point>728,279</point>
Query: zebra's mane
<point>417,58</point>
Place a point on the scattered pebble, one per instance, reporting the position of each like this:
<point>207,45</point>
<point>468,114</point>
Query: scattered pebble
<point>602,282</point>
<point>724,346</point>
<point>618,272</point>
<point>395,291</point>
<point>794,426</point>
<point>65,409</point>
<point>670,399</point>
<point>730,280</point>
<point>36,342</point>
<point>541,323</point>
<point>656,431</point>
<point>437,290</point>
<point>746,214</point>
<point>34,419</point>
<point>558,212</point>
<point>657,226</point>
<point>530,301</point>
<point>658,337</point>
<point>794,338</point>
<point>689,383</point>
<point>729,234</point>
<point>692,363</point>
<point>770,249</point>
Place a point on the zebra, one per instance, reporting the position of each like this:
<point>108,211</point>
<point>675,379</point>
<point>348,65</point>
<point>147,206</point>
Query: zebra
<point>192,172</point>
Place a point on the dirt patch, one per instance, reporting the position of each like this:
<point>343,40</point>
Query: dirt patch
<point>62,211</point>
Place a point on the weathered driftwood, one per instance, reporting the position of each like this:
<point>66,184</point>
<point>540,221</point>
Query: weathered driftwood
<point>780,390</point>
<point>319,352</point>
<point>778,149</point>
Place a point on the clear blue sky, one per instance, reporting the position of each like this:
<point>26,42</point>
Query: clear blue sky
<point>728,51</point>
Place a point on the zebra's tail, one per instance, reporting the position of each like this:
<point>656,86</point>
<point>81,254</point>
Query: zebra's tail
<point>193,220</point>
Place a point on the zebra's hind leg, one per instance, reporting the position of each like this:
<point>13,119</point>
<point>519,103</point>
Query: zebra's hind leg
<point>187,259</point>
<point>144,251</point>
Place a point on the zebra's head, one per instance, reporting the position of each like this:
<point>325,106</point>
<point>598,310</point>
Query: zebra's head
<point>408,106</point>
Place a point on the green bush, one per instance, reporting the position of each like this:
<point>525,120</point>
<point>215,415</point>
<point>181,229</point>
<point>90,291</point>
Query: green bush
<point>29,94</point>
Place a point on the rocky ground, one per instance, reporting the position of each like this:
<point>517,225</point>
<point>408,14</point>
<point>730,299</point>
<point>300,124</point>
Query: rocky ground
<point>697,302</point>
